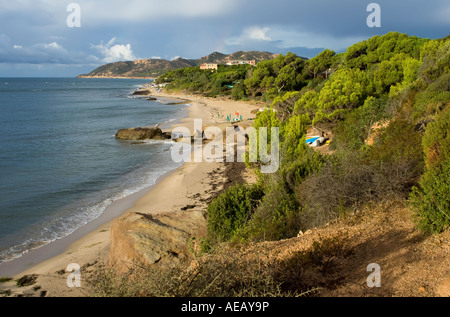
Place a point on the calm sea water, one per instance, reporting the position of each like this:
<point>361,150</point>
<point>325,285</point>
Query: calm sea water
<point>60,164</point>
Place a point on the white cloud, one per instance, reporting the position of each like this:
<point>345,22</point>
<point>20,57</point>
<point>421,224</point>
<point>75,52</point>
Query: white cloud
<point>257,33</point>
<point>54,46</point>
<point>17,46</point>
<point>252,33</point>
<point>115,52</point>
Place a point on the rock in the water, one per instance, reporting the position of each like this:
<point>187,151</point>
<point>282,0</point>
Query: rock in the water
<point>134,134</point>
<point>149,239</point>
<point>140,92</point>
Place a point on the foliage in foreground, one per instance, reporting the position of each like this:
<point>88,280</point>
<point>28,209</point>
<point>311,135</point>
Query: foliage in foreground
<point>229,272</point>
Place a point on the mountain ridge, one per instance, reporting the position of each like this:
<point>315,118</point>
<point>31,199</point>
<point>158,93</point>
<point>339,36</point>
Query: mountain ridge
<point>152,68</point>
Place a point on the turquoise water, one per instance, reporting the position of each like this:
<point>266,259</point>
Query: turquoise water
<point>60,164</point>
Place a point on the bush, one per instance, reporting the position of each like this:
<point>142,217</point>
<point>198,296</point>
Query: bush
<point>27,280</point>
<point>344,183</point>
<point>355,129</point>
<point>313,267</point>
<point>277,217</point>
<point>230,211</point>
<point>238,92</point>
<point>352,179</point>
<point>430,201</point>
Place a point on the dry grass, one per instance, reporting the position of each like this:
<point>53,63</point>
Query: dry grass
<point>230,271</point>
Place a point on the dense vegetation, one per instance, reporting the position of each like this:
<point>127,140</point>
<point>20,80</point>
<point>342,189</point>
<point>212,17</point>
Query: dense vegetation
<point>393,90</point>
<point>396,82</point>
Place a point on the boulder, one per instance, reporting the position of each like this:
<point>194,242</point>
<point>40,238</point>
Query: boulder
<point>134,134</point>
<point>141,92</point>
<point>146,239</point>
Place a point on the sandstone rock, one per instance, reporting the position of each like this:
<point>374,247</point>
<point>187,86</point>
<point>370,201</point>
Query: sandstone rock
<point>145,133</point>
<point>150,239</point>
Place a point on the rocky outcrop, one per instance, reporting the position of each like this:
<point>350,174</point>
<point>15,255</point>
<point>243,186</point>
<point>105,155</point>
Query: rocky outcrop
<point>145,133</point>
<point>154,239</point>
<point>142,92</point>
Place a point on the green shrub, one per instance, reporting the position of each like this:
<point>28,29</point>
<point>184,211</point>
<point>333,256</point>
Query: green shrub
<point>238,92</point>
<point>27,280</point>
<point>430,201</point>
<point>230,211</point>
<point>354,130</point>
<point>5,279</point>
<point>277,217</point>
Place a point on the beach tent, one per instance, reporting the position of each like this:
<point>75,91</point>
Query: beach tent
<point>314,141</point>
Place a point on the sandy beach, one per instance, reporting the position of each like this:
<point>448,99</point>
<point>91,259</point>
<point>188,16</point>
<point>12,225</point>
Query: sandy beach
<point>190,185</point>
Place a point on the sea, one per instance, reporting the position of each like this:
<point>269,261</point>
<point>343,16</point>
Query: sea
<point>60,164</point>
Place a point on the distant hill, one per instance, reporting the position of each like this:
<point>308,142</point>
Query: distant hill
<point>148,68</point>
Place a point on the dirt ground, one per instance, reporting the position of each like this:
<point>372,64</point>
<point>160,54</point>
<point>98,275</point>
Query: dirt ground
<point>411,263</point>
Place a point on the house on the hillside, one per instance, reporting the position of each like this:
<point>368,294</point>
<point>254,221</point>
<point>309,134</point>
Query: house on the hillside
<point>241,62</point>
<point>214,66</point>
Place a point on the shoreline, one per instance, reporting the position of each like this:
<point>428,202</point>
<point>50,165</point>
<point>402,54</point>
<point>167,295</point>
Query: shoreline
<point>31,259</point>
<point>90,243</point>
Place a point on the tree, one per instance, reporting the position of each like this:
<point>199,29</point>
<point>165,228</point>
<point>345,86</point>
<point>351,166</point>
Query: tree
<point>321,63</point>
<point>293,132</point>
<point>344,91</point>
<point>307,103</point>
<point>285,104</point>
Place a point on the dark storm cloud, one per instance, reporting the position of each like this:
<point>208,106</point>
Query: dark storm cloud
<point>35,31</point>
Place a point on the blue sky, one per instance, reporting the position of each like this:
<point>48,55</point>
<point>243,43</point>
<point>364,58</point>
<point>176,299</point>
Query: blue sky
<point>35,39</point>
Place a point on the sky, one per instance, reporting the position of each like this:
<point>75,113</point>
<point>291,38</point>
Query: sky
<point>58,38</point>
